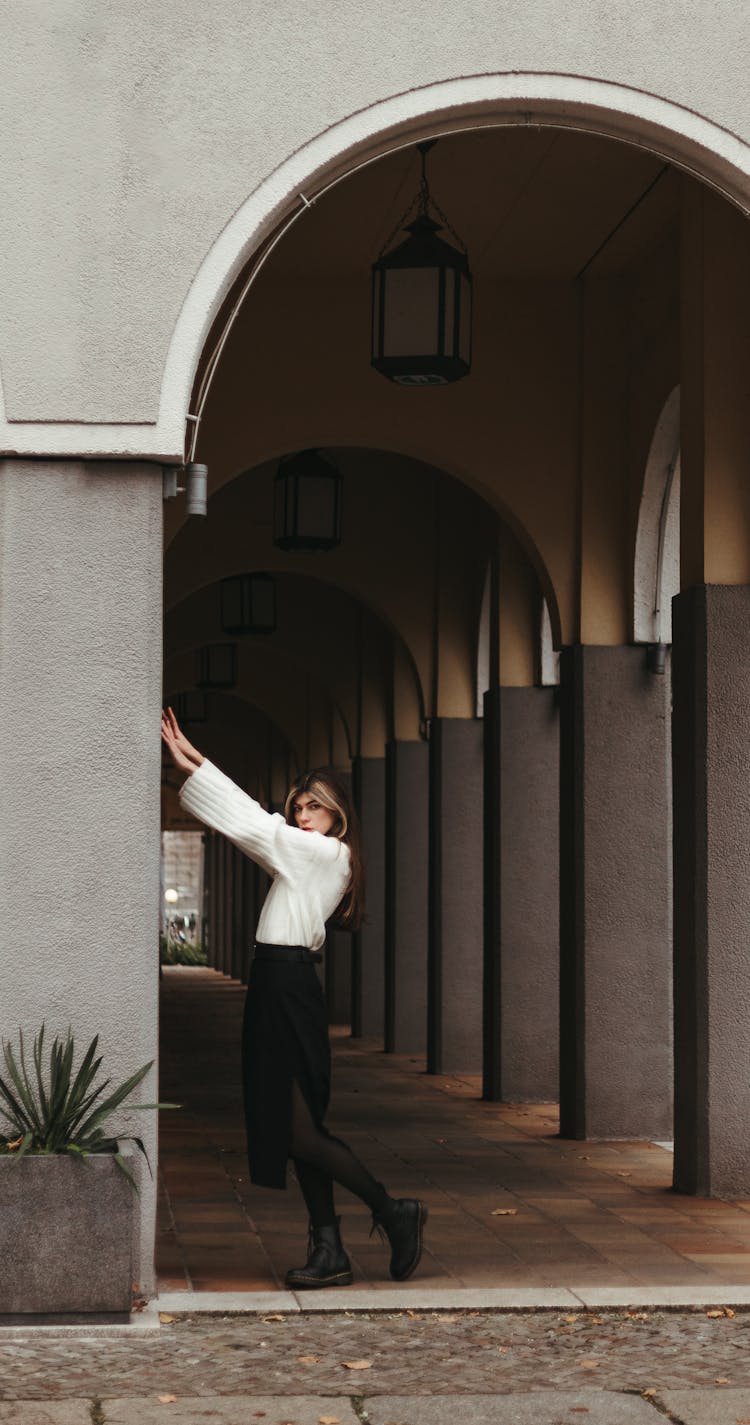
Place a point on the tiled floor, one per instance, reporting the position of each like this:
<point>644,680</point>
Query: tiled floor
<point>572,1213</point>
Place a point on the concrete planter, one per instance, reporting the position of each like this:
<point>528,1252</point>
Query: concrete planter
<point>66,1232</point>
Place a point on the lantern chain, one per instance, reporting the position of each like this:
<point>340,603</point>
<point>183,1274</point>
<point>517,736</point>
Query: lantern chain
<point>422,203</point>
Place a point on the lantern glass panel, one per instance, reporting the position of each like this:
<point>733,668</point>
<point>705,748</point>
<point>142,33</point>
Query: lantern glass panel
<point>280,503</point>
<point>232,604</point>
<point>316,507</point>
<point>411,311</point>
<point>218,666</point>
<point>464,330</point>
<point>263,603</point>
<point>449,326</point>
<point>191,706</point>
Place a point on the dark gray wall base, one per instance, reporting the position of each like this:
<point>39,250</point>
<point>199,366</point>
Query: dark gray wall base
<point>711,751</point>
<point>456,892</point>
<point>407,790</point>
<point>615,897</point>
<point>368,944</point>
<point>530,894</point>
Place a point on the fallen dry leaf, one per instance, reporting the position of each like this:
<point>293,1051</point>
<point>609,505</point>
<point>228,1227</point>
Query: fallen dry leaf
<point>722,1380</point>
<point>357,1365</point>
<point>277,1316</point>
<point>570,1319</point>
<point>328,1420</point>
<point>165,1317</point>
<point>648,1393</point>
<point>166,1399</point>
<point>308,1360</point>
<point>447,1317</point>
<point>621,1174</point>
<point>504,1212</point>
<point>590,1365</point>
<point>729,1312</point>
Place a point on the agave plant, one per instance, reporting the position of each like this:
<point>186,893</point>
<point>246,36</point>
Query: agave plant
<point>62,1112</point>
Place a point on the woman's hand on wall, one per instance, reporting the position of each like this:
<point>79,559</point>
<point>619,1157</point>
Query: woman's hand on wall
<point>182,752</point>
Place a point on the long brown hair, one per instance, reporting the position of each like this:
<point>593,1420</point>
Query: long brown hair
<point>323,784</point>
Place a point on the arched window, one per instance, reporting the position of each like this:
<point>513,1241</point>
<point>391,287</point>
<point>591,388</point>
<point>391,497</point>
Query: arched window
<point>549,659</point>
<point>657,547</point>
<point>483,644</point>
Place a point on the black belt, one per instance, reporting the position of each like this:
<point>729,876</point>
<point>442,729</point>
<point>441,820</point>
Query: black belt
<point>288,952</point>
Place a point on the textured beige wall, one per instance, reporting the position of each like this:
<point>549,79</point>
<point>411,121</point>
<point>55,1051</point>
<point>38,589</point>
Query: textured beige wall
<point>80,674</point>
<point>133,135</point>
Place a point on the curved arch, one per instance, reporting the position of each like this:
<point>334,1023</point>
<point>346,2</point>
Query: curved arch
<point>656,568</point>
<point>680,135</point>
<point>310,660</point>
<point>246,689</point>
<point>490,100</point>
<point>326,439</point>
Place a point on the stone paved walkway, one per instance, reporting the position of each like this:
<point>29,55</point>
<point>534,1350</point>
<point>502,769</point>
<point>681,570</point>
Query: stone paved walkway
<point>469,1367</point>
<point>511,1204</point>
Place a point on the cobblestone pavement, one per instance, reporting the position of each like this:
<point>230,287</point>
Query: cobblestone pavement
<point>399,1354</point>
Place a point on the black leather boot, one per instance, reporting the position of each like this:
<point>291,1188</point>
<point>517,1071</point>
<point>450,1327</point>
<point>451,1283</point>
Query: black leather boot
<point>402,1221</point>
<point>327,1262</point>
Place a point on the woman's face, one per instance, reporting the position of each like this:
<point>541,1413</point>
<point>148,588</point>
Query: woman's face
<point>309,815</point>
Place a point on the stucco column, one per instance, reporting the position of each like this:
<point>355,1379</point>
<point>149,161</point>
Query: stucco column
<point>456,914</point>
<point>368,944</point>
<point>615,896</point>
<point>238,912</point>
<point>522,904</point>
<point>711,747</point>
<point>213,898</point>
<point>338,976</point>
<point>406,899</point>
<point>80,691</point>
<point>250,914</point>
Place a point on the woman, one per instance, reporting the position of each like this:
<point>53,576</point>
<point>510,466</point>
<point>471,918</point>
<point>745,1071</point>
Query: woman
<point>312,854</point>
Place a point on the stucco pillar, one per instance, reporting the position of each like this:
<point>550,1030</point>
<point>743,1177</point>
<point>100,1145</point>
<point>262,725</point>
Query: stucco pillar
<point>711,747</point>
<point>406,896</point>
<point>338,976</point>
<point>250,914</point>
<point>456,910</point>
<point>80,692</point>
<point>213,898</point>
<point>522,900</point>
<point>238,912</point>
<point>615,896</point>
<point>368,944</point>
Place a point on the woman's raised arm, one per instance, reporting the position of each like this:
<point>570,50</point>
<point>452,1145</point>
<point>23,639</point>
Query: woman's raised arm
<point>186,757</point>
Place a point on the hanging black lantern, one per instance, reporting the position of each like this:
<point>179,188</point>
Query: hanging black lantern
<point>248,603</point>
<point>421,299</point>
<point>307,502</point>
<point>190,706</point>
<point>217,665</point>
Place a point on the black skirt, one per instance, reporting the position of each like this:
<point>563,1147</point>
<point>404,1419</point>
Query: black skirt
<point>284,1039</point>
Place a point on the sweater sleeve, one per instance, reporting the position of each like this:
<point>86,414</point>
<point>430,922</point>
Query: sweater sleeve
<point>266,837</point>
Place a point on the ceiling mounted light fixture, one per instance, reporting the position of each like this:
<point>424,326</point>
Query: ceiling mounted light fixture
<point>190,706</point>
<point>421,297</point>
<point>217,665</point>
<point>248,603</point>
<point>307,498</point>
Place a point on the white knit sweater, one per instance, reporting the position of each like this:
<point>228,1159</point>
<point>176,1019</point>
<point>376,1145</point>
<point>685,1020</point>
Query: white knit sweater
<point>310,871</point>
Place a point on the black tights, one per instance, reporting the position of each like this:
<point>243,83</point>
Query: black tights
<point>320,1160</point>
